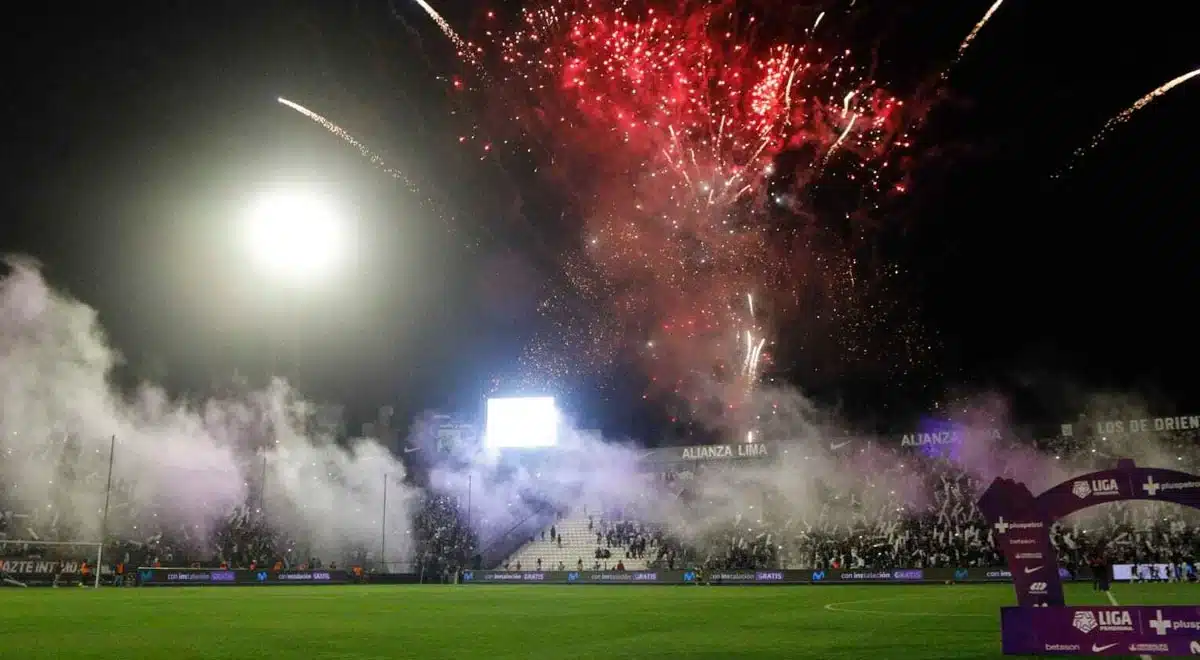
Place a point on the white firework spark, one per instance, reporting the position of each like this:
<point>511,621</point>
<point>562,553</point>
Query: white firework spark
<point>352,141</point>
<point>1125,115</point>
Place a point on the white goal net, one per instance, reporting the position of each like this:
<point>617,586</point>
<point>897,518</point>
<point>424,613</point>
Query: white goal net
<point>59,563</point>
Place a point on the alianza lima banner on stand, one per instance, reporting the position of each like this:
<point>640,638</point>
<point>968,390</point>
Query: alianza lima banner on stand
<point>734,451</point>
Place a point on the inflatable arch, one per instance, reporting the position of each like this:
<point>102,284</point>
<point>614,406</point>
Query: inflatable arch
<point>1021,525</point>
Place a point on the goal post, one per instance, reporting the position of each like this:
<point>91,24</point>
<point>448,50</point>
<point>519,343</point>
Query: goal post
<point>35,559</point>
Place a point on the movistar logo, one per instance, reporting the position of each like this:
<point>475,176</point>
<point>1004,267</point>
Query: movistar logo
<point>262,576</point>
<point>689,576</point>
<point>573,577</point>
<point>145,576</point>
<point>960,574</point>
<point>818,576</point>
<point>467,576</point>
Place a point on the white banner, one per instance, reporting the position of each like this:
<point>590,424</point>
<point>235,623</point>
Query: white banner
<point>1147,425</point>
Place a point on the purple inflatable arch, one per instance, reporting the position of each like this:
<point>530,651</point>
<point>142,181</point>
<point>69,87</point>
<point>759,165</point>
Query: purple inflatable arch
<point>1021,522</point>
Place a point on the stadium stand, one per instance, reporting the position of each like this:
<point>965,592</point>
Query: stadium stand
<point>584,542</point>
<point>859,529</point>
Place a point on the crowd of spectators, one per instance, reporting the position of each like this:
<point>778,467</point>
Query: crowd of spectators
<point>855,527</point>
<point>240,538</point>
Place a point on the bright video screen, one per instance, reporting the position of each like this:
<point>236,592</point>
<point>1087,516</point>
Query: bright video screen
<point>523,423</point>
<point>1145,571</point>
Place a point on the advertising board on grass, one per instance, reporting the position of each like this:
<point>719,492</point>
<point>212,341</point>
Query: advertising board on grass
<point>751,577</point>
<point>183,577</point>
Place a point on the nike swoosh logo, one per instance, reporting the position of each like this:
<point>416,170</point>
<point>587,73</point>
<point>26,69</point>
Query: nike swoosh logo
<point>409,450</point>
<point>1098,649</point>
<point>646,455</point>
<point>840,445</point>
<point>1035,569</point>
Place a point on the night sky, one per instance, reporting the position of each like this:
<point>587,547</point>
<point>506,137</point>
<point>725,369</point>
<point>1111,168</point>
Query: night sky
<point>134,137</point>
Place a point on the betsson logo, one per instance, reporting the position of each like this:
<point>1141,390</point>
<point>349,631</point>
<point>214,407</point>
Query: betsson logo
<point>1062,647</point>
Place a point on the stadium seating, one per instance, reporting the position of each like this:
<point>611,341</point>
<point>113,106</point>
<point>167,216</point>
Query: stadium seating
<point>579,543</point>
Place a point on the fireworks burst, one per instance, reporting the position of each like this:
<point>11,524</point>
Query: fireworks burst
<point>1124,116</point>
<point>694,144</point>
<point>671,130</point>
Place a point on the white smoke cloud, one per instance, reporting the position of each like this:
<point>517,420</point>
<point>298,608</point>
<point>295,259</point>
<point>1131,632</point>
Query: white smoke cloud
<point>515,495</point>
<point>806,481</point>
<point>175,465</point>
<point>187,465</point>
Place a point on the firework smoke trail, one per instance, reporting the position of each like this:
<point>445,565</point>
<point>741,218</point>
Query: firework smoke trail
<point>753,348</point>
<point>1124,116</point>
<point>962,48</point>
<point>841,138</point>
<point>352,141</point>
<point>465,50</point>
<point>752,358</point>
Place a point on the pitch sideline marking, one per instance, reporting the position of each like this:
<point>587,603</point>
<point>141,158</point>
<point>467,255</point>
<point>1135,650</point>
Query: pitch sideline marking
<point>1113,599</point>
<point>837,607</point>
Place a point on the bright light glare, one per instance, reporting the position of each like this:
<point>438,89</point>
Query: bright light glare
<point>295,235</point>
<point>521,423</point>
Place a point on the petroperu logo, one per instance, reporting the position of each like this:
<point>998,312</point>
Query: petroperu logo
<point>1152,488</point>
<point>1100,487</point>
<point>1149,648</point>
<point>1104,620</point>
<point>1002,526</point>
<point>1037,556</point>
<point>1161,625</point>
<point>1037,587</point>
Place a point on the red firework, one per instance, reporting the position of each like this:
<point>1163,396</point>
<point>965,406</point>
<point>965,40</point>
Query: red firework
<point>668,128</point>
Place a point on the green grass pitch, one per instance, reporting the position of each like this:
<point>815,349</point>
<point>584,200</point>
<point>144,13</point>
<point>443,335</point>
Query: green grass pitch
<point>527,621</point>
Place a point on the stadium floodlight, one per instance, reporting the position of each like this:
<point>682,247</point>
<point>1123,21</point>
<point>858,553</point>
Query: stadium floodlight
<point>295,235</point>
<point>521,423</point>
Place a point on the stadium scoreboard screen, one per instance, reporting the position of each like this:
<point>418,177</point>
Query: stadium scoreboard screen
<point>521,423</point>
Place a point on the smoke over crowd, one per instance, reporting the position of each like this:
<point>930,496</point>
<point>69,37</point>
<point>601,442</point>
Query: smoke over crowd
<point>185,466</point>
<point>175,466</point>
